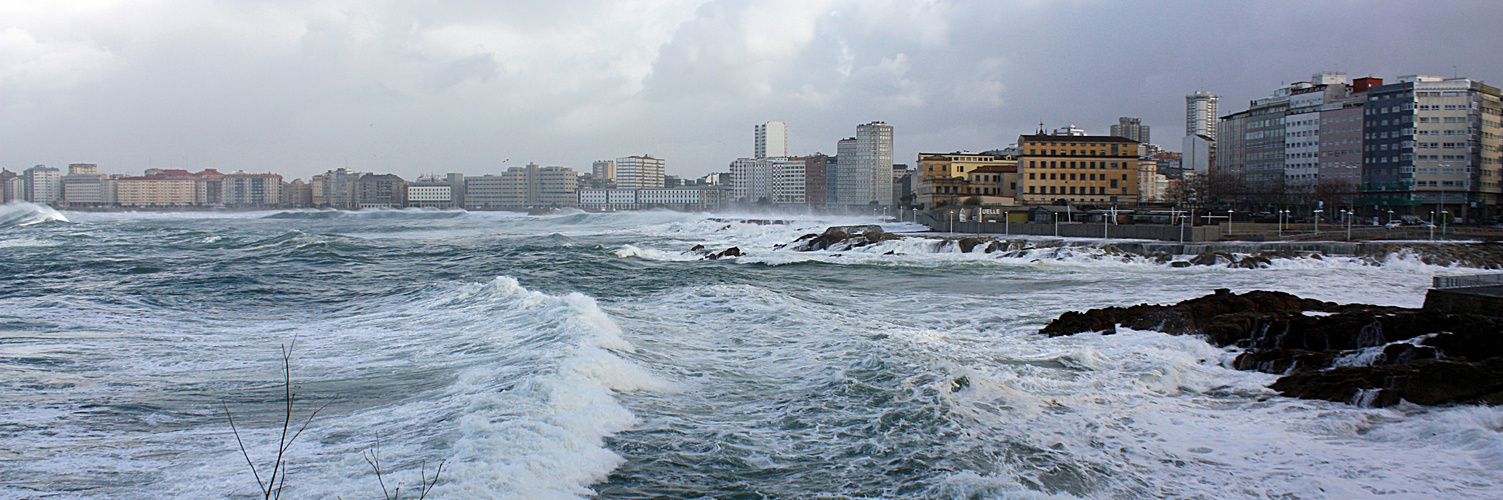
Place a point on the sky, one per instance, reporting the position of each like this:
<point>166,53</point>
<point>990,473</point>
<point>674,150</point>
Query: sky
<point>416,87</point>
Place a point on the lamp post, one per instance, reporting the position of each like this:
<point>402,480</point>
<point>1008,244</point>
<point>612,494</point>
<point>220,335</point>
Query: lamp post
<point>1443,216</point>
<point>1056,224</point>
<point>1228,222</point>
<point>1317,222</point>
<point>1181,229</point>
<point>1006,224</point>
<point>1432,225</point>
<point>1347,218</point>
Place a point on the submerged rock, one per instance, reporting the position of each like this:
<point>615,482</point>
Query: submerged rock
<point>1356,353</point>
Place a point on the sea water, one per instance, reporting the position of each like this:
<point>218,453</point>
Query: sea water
<point>579,355</point>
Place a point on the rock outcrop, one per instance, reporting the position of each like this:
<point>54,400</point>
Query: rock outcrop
<point>1355,353</point>
<point>842,238</point>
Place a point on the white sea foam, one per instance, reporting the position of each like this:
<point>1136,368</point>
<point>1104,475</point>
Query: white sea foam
<point>544,438</point>
<point>20,213</point>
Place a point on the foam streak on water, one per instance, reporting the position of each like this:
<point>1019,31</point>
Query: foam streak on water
<point>575,355</point>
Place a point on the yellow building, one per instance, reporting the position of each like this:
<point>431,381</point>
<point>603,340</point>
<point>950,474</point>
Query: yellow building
<point>949,178</point>
<point>1080,169</point>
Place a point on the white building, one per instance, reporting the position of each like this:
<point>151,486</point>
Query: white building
<point>771,140</point>
<point>44,184</point>
<point>788,179</point>
<point>1302,139</point>
<point>640,172</point>
<point>430,192</point>
<point>637,199</point>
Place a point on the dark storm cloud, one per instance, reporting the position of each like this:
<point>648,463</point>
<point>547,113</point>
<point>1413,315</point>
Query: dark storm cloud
<point>413,87</point>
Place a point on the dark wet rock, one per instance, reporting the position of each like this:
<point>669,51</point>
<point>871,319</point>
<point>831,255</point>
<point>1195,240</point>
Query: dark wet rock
<point>843,238</point>
<point>1423,356</point>
<point>1179,263</point>
<point>1253,262</point>
<point>729,252</point>
<point>1425,381</point>
<point>698,249</point>
<point>959,383</point>
<point>1212,258</point>
<point>968,244</point>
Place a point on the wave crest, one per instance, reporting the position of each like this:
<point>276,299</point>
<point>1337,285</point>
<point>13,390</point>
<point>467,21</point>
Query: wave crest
<point>21,213</point>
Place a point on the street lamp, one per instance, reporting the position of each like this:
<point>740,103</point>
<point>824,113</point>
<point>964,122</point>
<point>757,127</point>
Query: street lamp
<point>1444,215</point>
<point>1432,225</point>
<point>1317,222</point>
<point>1006,223</point>
<point>1228,222</point>
<point>1056,223</point>
<point>1346,217</point>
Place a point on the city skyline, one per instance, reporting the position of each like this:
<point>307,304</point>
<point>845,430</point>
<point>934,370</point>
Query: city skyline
<point>299,89</point>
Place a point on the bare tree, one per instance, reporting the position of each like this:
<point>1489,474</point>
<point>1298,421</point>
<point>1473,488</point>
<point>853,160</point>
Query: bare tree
<point>271,486</point>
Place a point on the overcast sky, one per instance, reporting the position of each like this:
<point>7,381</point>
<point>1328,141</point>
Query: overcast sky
<point>410,87</point>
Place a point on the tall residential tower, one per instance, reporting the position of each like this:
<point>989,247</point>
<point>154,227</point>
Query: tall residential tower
<point>865,166</point>
<point>772,140</point>
<point>1201,115</point>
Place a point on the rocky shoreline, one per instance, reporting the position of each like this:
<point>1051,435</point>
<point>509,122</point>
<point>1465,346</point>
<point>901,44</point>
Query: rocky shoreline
<point>1247,256</point>
<point>1359,354</point>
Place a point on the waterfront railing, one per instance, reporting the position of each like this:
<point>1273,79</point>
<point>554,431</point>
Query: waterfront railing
<point>1467,281</point>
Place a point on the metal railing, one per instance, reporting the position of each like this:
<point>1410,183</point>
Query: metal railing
<point>1467,281</point>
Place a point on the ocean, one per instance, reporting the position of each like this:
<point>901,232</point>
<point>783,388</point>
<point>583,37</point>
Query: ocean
<point>583,355</point>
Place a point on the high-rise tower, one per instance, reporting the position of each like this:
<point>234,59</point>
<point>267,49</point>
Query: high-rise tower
<point>772,140</point>
<point>1200,114</point>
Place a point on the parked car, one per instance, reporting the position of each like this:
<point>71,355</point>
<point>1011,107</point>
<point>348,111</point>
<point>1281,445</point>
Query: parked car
<point>1393,224</point>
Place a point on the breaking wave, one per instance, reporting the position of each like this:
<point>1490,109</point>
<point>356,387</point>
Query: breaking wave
<point>20,213</point>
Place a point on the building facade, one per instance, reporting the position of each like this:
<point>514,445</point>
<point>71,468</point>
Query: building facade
<point>12,186</point>
<point>1131,128</point>
<point>1201,115</point>
<point>486,192</point>
<point>816,179</point>
<point>945,178</point>
<point>85,187</point>
<point>867,178</point>
<point>771,140</point>
<point>1077,169</point>
<point>44,185</point>
<point>1432,145</point>
<point>604,169</point>
<point>243,190</point>
<point>431,192</point>
<point>159,188</point>
<point>380,191</point>
<point>640,172</point>
<point>532,186</point>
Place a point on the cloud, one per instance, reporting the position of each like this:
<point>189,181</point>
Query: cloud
<point>299,86</point>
